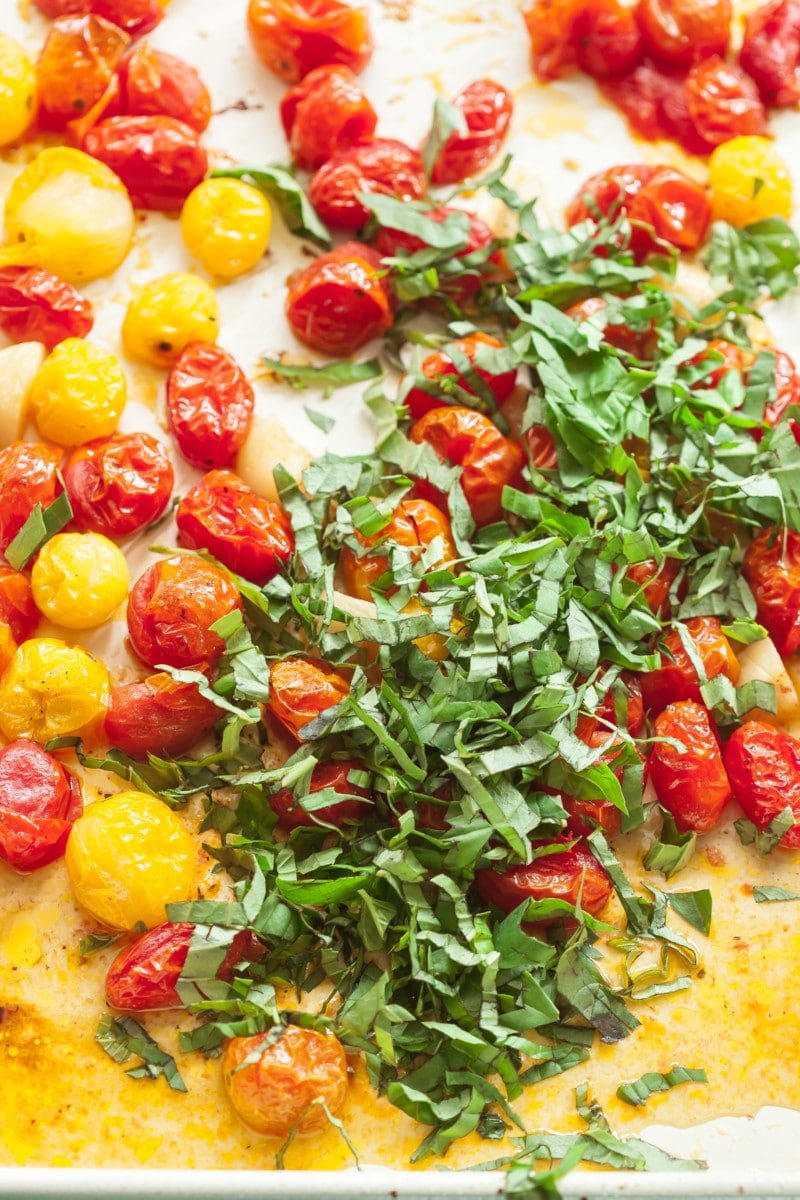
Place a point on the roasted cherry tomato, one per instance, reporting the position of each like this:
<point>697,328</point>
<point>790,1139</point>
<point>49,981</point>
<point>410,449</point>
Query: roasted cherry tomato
<point>292,37</point>
<point>37,306</point>
<point>158,715</point>
<point>655,102</point>
<point>78,393</point>
<point>606,714</point>
<point>158,84</point>
<point>302,688</point>
<point>249,534</point>
<point>676,678</point>
<point>340,301</point>
<point>656,582</point>
<point>171,608</point>
<point>76,67</point>
<point>159,160</point>
<point>723,101</point>
<point>733,359</point>
<point>415,524</point>
<point>145,974</point>
<point>461,286</point>
<point>691,783</point>
<point>679,32</point>
<point>771,51</point>
<point>486,107</point>
<point>166,315</point>
<point>28,476</point>
<point>541,448</point>
<point>384,166</point>
<point>470,440</point>
<point>79,580</point>
<point>18,89</point>
<point>326,114</point>
<point>607,38</point>
<point>39,801</point>
<point>732,169</point>
<point>639,342</point>
<point>550,28</point>
<point>772,568</point>
<point>276,1094</point>
<point>17,609</point>
<point>134,16</point>
<point>572,874</point>
<point>586,815</point>
<point>226,224</point>
<point>51,690</point>
<point>787,392</point>
<point>118,485</point>
<point>210,405</point>
<point>763,765</point>
<point>445,364</point>
<point>334,775</point>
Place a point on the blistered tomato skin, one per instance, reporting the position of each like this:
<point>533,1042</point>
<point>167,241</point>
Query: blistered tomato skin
<point>39,801</point>
<point>159,159</point>
<point>79,580</point>
<point>324,115</point>
<point>608,192</point>
<point>292,815</point>
<point>226,224</point>
<point>733,167</point>
<point>486,107</point>
<point>37,306</point>
<point>246,532</point>
<point>676,678</point>
<point>607,38</point>
<point>168,314</point>
<point>76,66</point>
<point>382,166</point>
<point>159,716</point>
<point>171,607</point>
<point>292,37</point>
<point>28,476</point>
<point>155,83</point>
<point>144,976</point>
<point>772,568</point>
<point>118,485</point>
<point>301,689</point>
<point>655,102</point>
<point>210,405</point>
<point>17,89</point>
<point>771,51</point>
<point>339,301</point>
<point>723,101</point>
<point>50,690</point>
<point>571,875</point>
<point>679,32</point>
<point>78,394</point>
<point>550,26</point>
<point>127,858</point>
<point>763,765</point>
<point>17,608</point>
<point>441,366</point>
<point>691,783</point>
<point>415,524</point>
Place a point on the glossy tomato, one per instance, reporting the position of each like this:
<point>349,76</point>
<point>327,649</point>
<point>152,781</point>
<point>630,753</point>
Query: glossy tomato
<point>690,782</point>
<point>340,301</point>
<point>586,815</point>
<point>609,193</point>
<point>145,974</point>
<point>446,364</point>
<point>383,166</point>
<point>787,391</point>
<point>676,678</point>
<point>17,609</point>
<point>680,32</point>
<point>550,29</point>
<point>159,160</point>
<point>118,485</point>
<point>639,342</point>
<point>333,775</point>
<point>607,38</point>
<point>210,405</point>
<point>136,17</point>
<point>724,102</point>
<point>656,582</point>
<point>542,448</point>
<point>629,694</point>
<point>28,476</point>
<point>414,524</point>
<point>572,874</point>
<point>292,37</point>
<point>771,51</point>
<point>37,306</point>
<point>39,801</point>
<point>772,569</point>
<point>763,765</point>
<point>461,285</point>
<point>486,107</point>
<point>324,115</point>
<point>154,83</point>
<point>76,67</point>
<point>249,534</point>
<point>171,608</point>
<point>158,715</point>
<point>302,688</point>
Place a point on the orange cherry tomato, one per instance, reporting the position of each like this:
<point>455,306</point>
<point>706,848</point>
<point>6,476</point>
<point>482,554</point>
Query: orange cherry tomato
<point>656,581</point>
<point>159,160</point>
<point>249,534</point>
<point>462,288</point>
<point>325,114</point>
<point>302,688</point>
<point>639,342</point>
<point>154,83</point>
<point>414,523</point>
<point>118,485</point>
<point>210,405</point>
<point>292,37</point>
<point>569,874</point>
<point>763,765</point>
<point>772,568</point>
<point>76,67</point>
<point>28,476</point>
<point>340,301</point>
<point>441,366</point>
<point>676,678</point>
<point>680,32</point>
<point>37,306</point>
<point>17,609</point>
<point>171,608</point>
<point>607,38</point>
<point>690,783</point>
<point>723,102</point>
<point>486,107</point>
<point>771,51</point>
<point>135,17</point>
<point>292,815</point>
<point>145,974</point>
<point>39,801</point>
<point>383,166</point>
<point>158,715</point>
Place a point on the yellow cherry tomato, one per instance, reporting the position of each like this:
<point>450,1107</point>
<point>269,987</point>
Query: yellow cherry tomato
<point>7,646</point>
<point>69,213</point>
<point>166,315</point>
<point>749,181</point>
<point>79,580</point>
<point>78,394</point>
<point>127,858</point>
<point>17,91</point>
<point>50,690</point>
<point>226,225</point>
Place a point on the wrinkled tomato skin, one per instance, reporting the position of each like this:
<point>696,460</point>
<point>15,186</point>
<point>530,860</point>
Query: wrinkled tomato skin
<point>392,243</point>
<point>608,193</point>
<point>487,108</point>
<point>550,29</point>
<point>155,83</point>
<point>383,166</point>
<point>159,716</point>
<point>763,765</point>
<point>655,102</point>
<point>159,160</point>
<point>607,38</point>
<point>118,486</point>
<point>291,815</point>
<point>340,301</point>
<point>656,582</point>
<point>692,783</point>
<point>676,679</point>
<point>246,532</point>
<point>39,802</point>
<point>145,974</point>
<point>771,51</point>
<point>37,306</point>
<point>638,342</point>
<point>135,17</point>
<point>724,102</point>
<point>210,405</point>
<point>606,715</point>
<point>326,114</point>
<point>675,208</point>
<point>28,476</point>
<point>76,67</point>
<point>171,608</point>
<point>441,366</point>
<point>680,32</point>
<point>772,569</point>
<point>570,875</point>
<point>293,37</point>
<point>17,609</point>
<point>416,524</point>
<point>301,689</point>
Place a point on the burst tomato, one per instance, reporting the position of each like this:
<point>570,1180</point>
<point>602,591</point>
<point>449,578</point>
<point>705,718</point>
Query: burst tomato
<point>158,715</point>
<point>37,306</point>
<point>39,801</point>
<point>771,51</point>
<point>326,114</point>
<point>159,160</point>
<point>763,765</point>
<point>461,285</point>
<point>135,17</point>
<point>639,342</point>
<point>383,166</point>
<point>691,783</point>
<point>486,107</point>
<point>550,29</point>
<point>171,608</point>
<point>334,775</point>
<point>772,568</point>
<point>656,581</point>
<point>210,405</point>
<point>586,815</point>
<point>607,38</point>
<point>676,678</point>
<point>28,476</point>
<point>340,301</point>
<point>76,67</point>
<point>655,103</point>
<point>570,874</point>
<point>118,485</point>
<point>446,365</point>
<point>292,37</point>
<point>17,609</point>
<point>154,83</point>
<point>723,102</point>
<point>680,32</point>
<point>302,688</point>
<point>415,524</point>
<point>144,975</point>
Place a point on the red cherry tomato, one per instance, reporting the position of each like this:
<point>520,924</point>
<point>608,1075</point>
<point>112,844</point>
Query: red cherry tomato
<point>37,306</point>
<point>118,485</point>
<point>76,67</point>
<point>787,391</point>
<point>606,713</point>
<point>210,405</point>
<point>570,874</point>
<point>656,582</point>
<point>771,51</point>
<point>772,568</point>
<point>675,208</point>
<point>542,448</point>
<point>17,609</point>
<point>639,342</point>
<point>246,532</point>
<point>763,765</point>
<point>291,814</point>
<point>609,193</point>
<point>586,815</point>
<point>28,476</point>
<point>155,83</point>
<point>292,37</point>
<point>145,974</point>
<point>680,32</point>
<point>134,16</point>
<point>340,301</point>
<point>393,243</point>
<point>655,102</point>
<point>302,688</point>
<point>691,783</point>
<point>171,608</point>
<point>383,166</point>
<point>416,524</point>
<point>326,114</point>
<point>159,160</point>
<point>724,102</point>
<point>733,359</point>
<point>550,26</point>
<point>157,715</point>
<point>39,801</point>
<point>486,107</point>
<point>607,38</point>
<point>676,678</point>
<point>441,366</point>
